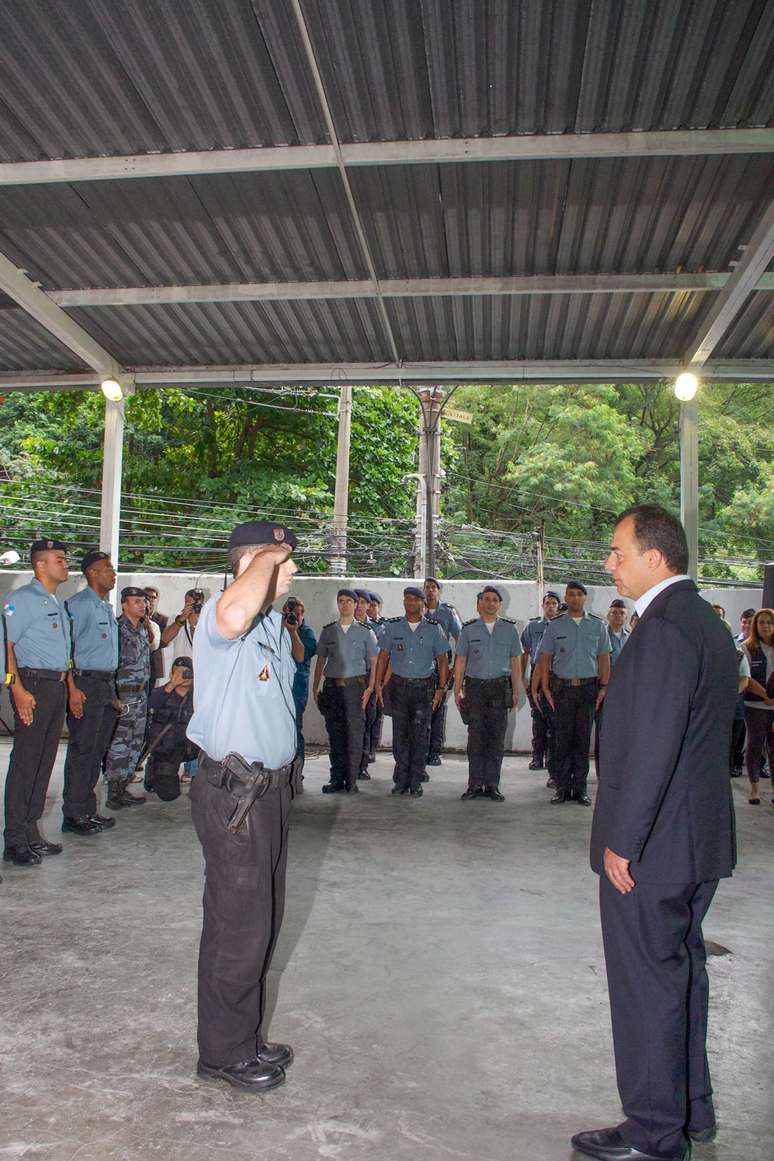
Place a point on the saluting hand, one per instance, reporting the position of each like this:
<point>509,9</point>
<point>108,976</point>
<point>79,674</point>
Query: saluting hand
<point>25,704</point>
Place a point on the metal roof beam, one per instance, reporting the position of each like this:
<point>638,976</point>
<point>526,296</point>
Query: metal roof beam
<point>756,257</point>
<point>439,150</point>
<point>516,371</point>
<point>38,305</point>
<point>398,288</point>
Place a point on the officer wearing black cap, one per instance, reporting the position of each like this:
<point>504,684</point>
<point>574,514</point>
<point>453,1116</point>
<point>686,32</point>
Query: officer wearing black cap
<point>346,657</point>
<point>132,680</point>
<point>244,723</point>
<point>37,648</point>
<point>542,715</point>
<point>411,645</point>
<point>488,663</point>
<point>91,695</point>
<point>449,620</point>
<point>574,669</point>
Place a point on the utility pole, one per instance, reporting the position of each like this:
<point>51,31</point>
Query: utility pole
<point>540,552</point>
<point>689,480</point>
<point>431,401</point>
<point>338,559</point>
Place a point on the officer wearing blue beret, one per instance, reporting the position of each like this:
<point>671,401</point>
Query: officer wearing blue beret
<point>91,695</point>
<point>244,722</point>
<point>574,669</point>
<point>37,647</point>
<point>488,663</point>
<point>411,645</point>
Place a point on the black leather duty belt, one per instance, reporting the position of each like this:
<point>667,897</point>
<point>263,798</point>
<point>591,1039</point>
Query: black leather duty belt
<point>573,681</point>
<point>502,680</point>
<point>431,680</point>
<point>219,775</point>
<point>358,679</point>
<point>97,674</point>
<point>43,674</point>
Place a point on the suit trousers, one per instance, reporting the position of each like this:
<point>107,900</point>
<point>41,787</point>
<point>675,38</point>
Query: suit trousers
<point>659,994</point>
<point>411,702</point>
<point>342,707</point>
<point>32,760</point>
<point>487,705</point>
<point>244,900</point>
<point>574,718</point>
<point>89,739</point>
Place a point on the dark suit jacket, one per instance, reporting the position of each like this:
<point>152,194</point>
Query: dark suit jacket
<point>664,798</point>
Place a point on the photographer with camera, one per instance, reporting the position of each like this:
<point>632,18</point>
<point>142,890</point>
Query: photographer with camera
<point>179,633</point>
<point>170,707</point>
<point>303,645</point>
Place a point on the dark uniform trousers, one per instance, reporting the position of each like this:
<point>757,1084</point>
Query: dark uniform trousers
<point>89,740</point>
<point>342,707</point>
<point>411,700</point>
<point>32,758</point>
<point>543,731</point>
<point>655,959</point>
<point>573,718</point>
<point>244,900</point>
<point>372,736</point>
<point>437,729</point>
<point>487,703</point>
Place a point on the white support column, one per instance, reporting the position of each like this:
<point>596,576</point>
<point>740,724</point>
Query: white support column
<point>112,461</point>
<point>689,480</point>
<point>338,560</point>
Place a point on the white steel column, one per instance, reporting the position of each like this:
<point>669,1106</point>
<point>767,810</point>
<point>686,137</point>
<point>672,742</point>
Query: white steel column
<point>338,560</point>
<point>689,480</point>
<point>112,461</point>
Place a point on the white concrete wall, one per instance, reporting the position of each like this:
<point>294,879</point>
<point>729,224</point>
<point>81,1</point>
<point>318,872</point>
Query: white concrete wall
<point>319,596</point>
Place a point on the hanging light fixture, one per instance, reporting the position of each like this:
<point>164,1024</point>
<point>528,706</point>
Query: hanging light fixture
<point>686,386</point>
<point>112,390</point>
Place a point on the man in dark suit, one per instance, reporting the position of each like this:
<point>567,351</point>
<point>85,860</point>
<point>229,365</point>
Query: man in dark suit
<point>662,837</point>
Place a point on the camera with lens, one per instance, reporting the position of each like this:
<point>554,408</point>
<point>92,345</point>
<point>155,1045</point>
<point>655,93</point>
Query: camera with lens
<point>197,597</point>
<point>186,673</point>
<point>291,617</point>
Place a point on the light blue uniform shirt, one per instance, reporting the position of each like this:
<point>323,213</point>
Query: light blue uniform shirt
<point>38,626</point>
<point>617,642</point>
<point>347,654</point>
<point>413,651</point>
<point>532,636</point>
<point>574,648</point>
<point>448,618</point>
<point>243,691</point>
<point>489,654</point>
<point>94,631</point>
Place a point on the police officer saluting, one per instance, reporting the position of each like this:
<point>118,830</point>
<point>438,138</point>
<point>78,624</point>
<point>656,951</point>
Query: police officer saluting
<point>37,640</point>
<point>574,669</point>
<point>132,686</point>
<point>91,695</point>
<point>244,722</point>
<point>411,645</point>
<point>449,620</point>
<point>346,656</point>
<point>488,662</point>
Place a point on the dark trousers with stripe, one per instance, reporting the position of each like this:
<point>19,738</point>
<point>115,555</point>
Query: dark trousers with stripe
<point>32,760</point>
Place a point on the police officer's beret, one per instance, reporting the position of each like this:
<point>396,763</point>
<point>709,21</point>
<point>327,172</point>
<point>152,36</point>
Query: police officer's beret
<point>347,593</point>
<point>573,584</point>
<point>132,591</point>
<point>362,595</point>
<point>91,558</point>
<point>261,532</point>
<point>375,599</point>
<point>617,603</point>
<point>47,546</point>
<point>491,589</point>
<point>432,580</point>
<point>551,593</point>
<point>413,591</point>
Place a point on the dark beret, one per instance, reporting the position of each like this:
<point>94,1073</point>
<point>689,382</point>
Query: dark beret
<point>375,598</point>
<point>573,584</point>
<point>47,546</point>
<point>747,613</point>
<point>551,593</point>
<point>132,591</point>
<point>617,603</point>
<point>261,532</point>
<point>413,591</point>
<point>91,558</point>
<point>347,593</point>
<point>362,594</point>
<point>433,580</point>
<point>491,589</point>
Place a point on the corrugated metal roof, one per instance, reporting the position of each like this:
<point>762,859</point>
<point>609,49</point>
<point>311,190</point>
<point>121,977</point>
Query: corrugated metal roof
<point>751,335</point>
<point>25,345</point>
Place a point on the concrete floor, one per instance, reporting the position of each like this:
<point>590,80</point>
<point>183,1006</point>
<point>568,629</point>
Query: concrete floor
<point>439,975</point>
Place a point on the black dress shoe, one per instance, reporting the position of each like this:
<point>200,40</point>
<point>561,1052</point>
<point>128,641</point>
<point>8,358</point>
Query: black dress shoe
<point>275,1055</point>
<point>44,848</point>
<point>472,792</point>
<point>560,796</point>
<point>582,798</point>
<point>535,764</point>
<point>416,791</point>
<point>128,799</point>
<point>83,825</point>
<point>364,776</point>
<point>22,856</point>
<point>103,820</point>
<point>609,1145</point>
<point>334,788</point>
<point>434,760</point>
<point>251,1075</point>
<point>493,793</point>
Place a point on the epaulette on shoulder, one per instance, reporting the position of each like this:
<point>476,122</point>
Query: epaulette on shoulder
<point>330,624</point>
<point>392,620</point>
<point>595,616</point>
<point>559,616</point>
<point>536,618</point>
<point>472,621</point>
<point>508,620</point>
<point>446,605</point>
<point>433,621</point>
